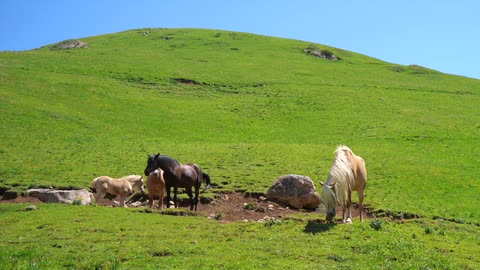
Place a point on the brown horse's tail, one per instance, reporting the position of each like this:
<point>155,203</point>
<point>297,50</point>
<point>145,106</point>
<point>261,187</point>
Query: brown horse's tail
<point>206,177</point>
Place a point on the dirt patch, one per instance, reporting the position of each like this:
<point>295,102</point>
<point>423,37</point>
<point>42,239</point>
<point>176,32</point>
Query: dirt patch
<point>22,199</point>
<point>238,207</point>
<point>185,81</point>
<point>246,207</point>
<point>228,208</point>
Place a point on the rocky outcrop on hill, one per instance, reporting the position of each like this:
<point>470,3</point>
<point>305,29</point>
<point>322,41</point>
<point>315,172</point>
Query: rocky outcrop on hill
<point>321,53</point>
<point>69,44</point>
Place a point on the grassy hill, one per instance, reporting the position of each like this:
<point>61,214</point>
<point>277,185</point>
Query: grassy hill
<point>247,108</point>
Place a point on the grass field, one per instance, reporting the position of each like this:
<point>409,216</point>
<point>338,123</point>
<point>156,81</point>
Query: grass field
<point>89,237</point>
<point>247,109</point>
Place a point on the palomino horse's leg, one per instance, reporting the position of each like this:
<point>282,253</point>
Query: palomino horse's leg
<point>349,208</point>
<point>122,200</point>
<point>361,196</point>
<point>150,199</point>
<point>99,196</point>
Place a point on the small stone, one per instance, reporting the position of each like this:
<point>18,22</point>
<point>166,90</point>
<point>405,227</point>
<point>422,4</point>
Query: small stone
<point>31,208</point>
<point>136,204</point>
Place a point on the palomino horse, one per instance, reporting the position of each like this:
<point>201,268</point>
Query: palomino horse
<point>169,167</point>
<point>121,187</point>
<point>156,186</point>
<point>348,173</point>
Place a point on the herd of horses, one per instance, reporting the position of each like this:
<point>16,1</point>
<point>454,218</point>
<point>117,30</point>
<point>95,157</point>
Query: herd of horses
<point>164,173</point>
<point>347,174</point>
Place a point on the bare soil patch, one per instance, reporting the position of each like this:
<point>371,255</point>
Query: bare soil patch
<point>231,207</point>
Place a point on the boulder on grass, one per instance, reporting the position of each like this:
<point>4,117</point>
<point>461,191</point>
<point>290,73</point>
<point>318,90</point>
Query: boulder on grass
<point>298,191</point>
<point>81,196</point>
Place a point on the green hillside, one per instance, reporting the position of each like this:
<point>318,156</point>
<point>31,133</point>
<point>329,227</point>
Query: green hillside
<point>246,108</point>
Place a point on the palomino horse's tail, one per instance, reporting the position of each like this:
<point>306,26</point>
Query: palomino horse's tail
<point>94,184</point>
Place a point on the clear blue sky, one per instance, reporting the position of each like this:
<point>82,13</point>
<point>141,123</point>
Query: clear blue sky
<point>442,35</point>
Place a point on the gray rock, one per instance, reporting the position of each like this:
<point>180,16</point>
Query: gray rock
<point>31,208</point>
<point>81,196</point>
<point>297,191</point>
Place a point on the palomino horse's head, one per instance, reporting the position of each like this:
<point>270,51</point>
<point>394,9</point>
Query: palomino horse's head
<point>329,200</point>
<point>151,164</point>
<point>138,183</point>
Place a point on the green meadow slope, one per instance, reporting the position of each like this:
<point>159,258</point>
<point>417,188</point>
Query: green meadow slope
<point>246,108</point>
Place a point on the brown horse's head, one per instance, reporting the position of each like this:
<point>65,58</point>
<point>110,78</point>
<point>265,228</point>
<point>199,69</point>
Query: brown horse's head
<point>151,164</point>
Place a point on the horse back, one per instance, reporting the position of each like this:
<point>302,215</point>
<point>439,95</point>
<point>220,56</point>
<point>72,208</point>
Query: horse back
<point>187,175</point>
<point>168,166</point>
<point>114,186</point>
<point>155,181</point>
<point>198,171</point>
<point>100,181</point>
<point>359,170</point>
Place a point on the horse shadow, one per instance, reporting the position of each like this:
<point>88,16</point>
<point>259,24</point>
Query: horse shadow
<point>317,226</point>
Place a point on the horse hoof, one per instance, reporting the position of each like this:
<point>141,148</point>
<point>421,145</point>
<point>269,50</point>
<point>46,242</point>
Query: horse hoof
<point>348,221</point>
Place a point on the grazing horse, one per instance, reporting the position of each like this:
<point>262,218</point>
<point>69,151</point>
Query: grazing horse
<point>121,187</point>
<point>156,186</point>
<point>347,174</point>
<point>169,166</point>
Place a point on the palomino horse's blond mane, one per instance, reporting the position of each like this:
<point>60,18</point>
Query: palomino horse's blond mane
<point>347,174</point>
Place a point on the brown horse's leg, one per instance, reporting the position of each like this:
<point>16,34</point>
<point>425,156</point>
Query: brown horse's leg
<point>160,200</point>
<point>175,192</point>
<point>168,196</point>
<point>197,192</point>
<point>190,195</point>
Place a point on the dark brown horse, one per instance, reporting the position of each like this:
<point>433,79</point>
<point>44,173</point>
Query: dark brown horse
<point>189,176</point>
<point>183,178</point>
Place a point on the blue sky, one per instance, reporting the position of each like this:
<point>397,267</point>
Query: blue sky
<point>442,35</point>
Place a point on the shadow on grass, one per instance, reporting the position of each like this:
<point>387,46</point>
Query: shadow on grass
<point>317,226</point>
